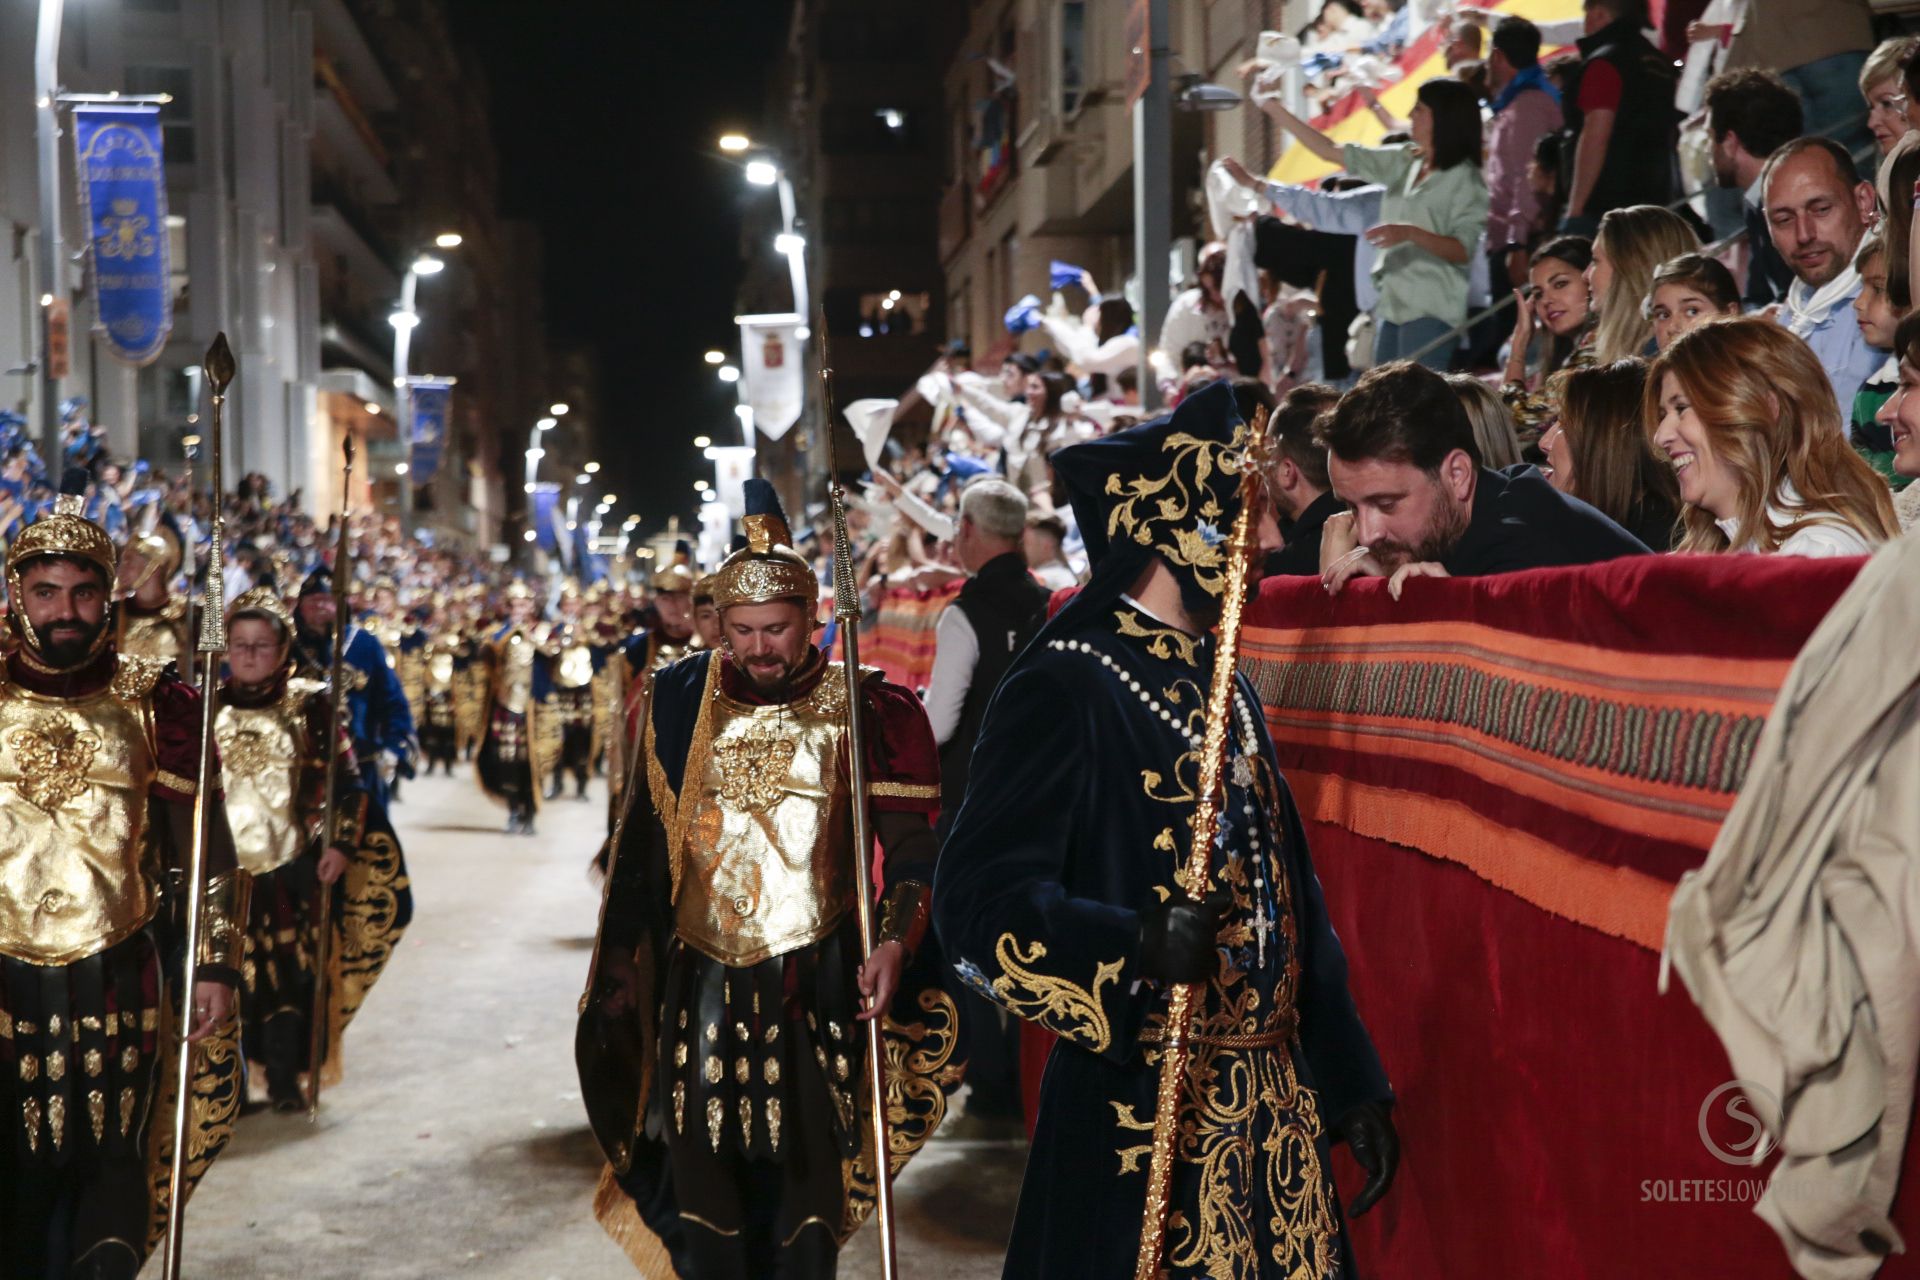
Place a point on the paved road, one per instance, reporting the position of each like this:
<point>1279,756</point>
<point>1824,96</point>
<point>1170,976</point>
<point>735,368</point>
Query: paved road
<point>456,1145</point>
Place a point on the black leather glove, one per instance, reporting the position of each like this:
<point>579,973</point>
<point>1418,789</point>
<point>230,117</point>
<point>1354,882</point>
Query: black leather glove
<point>1179,938</point>
<point>1368,1131</point>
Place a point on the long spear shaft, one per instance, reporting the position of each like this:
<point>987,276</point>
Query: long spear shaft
<point>846,609</point>
<point>1206,823</point>
<point>336,712</point>
<point>213,644</point>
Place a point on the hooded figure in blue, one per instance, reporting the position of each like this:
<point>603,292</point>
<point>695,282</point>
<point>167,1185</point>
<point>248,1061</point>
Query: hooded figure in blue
<point>1058,896</point>
<point>381,722</point>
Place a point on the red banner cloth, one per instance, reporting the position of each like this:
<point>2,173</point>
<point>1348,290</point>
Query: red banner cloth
<point>1502,779</point>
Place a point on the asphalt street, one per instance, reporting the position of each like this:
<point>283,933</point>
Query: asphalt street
<point>456,1145</point>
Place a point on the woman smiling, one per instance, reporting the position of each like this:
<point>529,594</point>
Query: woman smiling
<point>1745,415</point>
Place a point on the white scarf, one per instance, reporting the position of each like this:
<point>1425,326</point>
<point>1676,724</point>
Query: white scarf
<point>1803,314</point>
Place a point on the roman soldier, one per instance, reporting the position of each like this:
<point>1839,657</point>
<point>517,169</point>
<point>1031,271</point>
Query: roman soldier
<point>99,757</point>
<point>441,660</point>
<point>706,618</point>
<point>514,755</point>
<point>1061,896</point>
<point>273,726</point>
<point>382,724</point>
<point>469,674</point>
<point>574,666</point>
<point>645,652</point>
<point>720,1044</point>
<point>152,614</point>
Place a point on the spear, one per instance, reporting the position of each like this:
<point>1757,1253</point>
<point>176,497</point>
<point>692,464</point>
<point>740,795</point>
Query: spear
<point>220,369</point>
<point>336,714</point>
<point>846,609</point>
<point>1206,823</point>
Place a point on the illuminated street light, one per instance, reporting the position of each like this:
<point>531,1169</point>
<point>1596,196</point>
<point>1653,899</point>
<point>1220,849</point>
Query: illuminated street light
<point>448,240</point>
<point>716,357</point>
<point>729,374</point>
<point>373,408</point>
<point>559,408</point>
<point>403,320</point>
<point>609,500</point>
<point>699,486</point>
<point>546,424</point>
<point>893,295</point>
<point>399,468</point>
<point>428,265</point>
<point>701,442</point>
<point>735,143</point>
<point>787,242</point>
<point>592,468</point>
<point>529,535</point>
<point>583,478</point>
<point>762,173</point>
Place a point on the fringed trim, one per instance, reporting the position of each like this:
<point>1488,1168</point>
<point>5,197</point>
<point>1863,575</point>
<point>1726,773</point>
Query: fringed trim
<point>619,1217</point>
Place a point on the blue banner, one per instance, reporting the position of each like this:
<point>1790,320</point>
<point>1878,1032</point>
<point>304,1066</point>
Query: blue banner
<point>123,191</point>
<point>427,401</point>
<point>546,516</point>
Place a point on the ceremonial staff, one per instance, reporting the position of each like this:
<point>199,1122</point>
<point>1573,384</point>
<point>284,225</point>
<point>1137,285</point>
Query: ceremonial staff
<point>846,609</point>
<point>1206,823</point>
<point>336,708</point>
<point>213,645</point>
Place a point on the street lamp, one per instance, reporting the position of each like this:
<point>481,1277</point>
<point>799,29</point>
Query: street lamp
<point>546,424</point>
<point>762,173</point>
<point>448,240</point>
<point>592,468</point>
<point>729,374</point>
<point>716,357</point>
<point>428,265</point>
<point>559,408</point>
<point>735,143</point>
<point>702,442</point>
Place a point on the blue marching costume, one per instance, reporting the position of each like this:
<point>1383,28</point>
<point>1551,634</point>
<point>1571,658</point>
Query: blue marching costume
<point>377,710</point>
<point>1057,895</point>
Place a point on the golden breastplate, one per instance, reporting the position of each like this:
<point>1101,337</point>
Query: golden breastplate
<point>77,871</point>
<point>156,636</point>
<point>261,752</point>
<point>766,863</point>
<point>516,676</point>
<point>575,668</point>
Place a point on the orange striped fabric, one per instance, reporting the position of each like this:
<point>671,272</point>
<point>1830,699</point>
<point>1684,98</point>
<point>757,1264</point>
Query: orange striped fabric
<point>900,640</point>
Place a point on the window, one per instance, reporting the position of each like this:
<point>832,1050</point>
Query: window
<point>893,312</point>
<point>1073,56</point>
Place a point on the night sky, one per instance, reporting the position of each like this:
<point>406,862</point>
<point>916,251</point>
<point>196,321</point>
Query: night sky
<point>606,112</point>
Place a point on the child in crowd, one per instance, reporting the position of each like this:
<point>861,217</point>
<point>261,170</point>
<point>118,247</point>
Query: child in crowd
<point>1878,318</point>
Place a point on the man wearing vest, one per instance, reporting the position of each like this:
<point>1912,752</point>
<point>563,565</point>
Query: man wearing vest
<point>977,639</point>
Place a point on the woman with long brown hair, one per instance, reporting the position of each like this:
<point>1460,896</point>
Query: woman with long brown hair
<point>1630,245</point>
<point>1746,417</point>
<point>1599,452</point>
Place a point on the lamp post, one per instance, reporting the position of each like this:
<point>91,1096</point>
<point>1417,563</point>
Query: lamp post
<point>405,319</point>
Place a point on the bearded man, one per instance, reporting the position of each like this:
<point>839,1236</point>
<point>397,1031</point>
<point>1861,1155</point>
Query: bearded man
<point>719,1047</point>
<point>1402,458</point>
<point>99,759</point>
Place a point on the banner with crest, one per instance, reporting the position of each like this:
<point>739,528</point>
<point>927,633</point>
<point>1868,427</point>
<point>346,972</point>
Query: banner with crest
<point>428,400</point>
<point>771,369</point>
<point>123,194</point>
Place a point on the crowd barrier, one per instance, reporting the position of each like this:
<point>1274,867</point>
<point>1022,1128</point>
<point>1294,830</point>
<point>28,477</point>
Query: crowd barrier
<point>1502,780</point>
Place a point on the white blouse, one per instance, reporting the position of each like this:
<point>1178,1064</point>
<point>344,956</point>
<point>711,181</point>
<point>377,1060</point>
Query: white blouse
<point>1827,535</point>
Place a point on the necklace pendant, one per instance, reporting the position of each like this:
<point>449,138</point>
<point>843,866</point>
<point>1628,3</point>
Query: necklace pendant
<point>1262,926</point>
<point>1242,773</point>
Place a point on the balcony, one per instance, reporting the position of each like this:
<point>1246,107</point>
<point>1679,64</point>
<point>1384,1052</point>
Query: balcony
<point>345,136</point>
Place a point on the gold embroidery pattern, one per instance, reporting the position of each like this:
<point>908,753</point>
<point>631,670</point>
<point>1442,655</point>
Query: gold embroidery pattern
<point>174,782</point>
<point>217,1089</point>
<point>773,1122</point>
<point>716,1116</point>
<point>1162,642</point>
<point>1173,513</point>
<point>1059,1005</point>
<point>754,767</point>
<point>920,1073</point>
<point>245,750</point>
<point>54,758</point>
<point>134,677</point>
<point>903,791</point>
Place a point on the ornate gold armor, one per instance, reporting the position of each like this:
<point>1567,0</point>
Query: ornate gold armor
<point>78,870</point>
<point>515,692</point>
<point>161,636</point>
<point>762,834</point>
<point>262,751</point>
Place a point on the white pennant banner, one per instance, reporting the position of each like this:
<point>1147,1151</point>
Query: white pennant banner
<point>772,370</point>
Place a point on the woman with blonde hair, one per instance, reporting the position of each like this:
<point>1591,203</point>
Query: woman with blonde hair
<point>1493,427</point>
<point>1629,247</point>
<point>1746,417</point>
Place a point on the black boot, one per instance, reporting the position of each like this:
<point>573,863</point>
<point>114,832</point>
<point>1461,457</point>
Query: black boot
<point>283,1049</point>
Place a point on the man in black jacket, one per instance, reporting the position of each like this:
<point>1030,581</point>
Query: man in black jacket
<point>1297,479</point>
<point>1402,458</point>
<point>1624,112</point>
<point>976,640</point>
